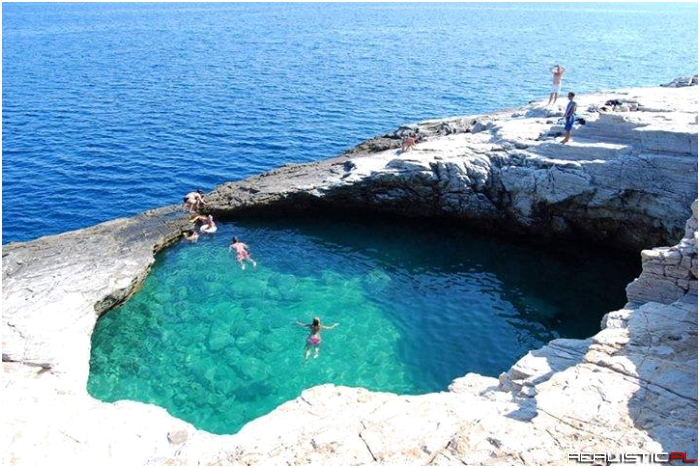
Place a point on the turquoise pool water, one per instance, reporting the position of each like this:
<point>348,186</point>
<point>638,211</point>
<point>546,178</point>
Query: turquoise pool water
<point>418,305</point>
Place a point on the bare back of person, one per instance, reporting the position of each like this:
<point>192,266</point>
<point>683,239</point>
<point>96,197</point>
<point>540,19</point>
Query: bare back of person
<point>242,253</point>
<point>557,73</point>
<point>313,341</point>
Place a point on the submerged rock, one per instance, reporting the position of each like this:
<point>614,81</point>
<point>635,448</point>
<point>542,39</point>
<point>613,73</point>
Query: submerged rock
<point>627,179</point>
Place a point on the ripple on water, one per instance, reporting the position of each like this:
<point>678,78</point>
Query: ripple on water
<point>417,307</point>
<point>94,90</point>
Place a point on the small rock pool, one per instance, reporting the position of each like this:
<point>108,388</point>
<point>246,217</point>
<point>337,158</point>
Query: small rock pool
<point>418,305</point>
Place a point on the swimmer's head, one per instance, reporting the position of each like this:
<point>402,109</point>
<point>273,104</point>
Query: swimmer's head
<point>316,322</point>
<point>199,191</point>
<point>234,240</point>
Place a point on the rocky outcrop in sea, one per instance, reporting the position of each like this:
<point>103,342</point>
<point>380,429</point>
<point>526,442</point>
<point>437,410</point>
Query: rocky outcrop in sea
<point>683,81</point>
<point>624,181</point>
<point>628,179</point>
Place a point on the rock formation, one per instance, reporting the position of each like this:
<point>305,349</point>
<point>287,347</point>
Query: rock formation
<point>627,179</point>
<point>669,272</point>
<point>683,81</point>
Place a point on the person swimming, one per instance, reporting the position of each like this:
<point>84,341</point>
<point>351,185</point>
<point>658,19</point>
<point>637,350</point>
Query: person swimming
<point>241,253</point>
<point>314,338</point>
<point>190,235</point>
<point>208,225</point>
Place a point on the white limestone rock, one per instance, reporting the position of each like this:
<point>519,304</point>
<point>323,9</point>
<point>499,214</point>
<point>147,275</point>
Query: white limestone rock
<point>633,386</point>
<point>668,272</point>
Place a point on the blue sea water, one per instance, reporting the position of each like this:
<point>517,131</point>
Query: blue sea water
<point>109,109</point>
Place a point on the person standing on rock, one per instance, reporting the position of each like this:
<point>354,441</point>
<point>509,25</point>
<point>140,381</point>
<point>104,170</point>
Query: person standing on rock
<point>557,73</point>
<point>408,143</point>
<point>569,117</point>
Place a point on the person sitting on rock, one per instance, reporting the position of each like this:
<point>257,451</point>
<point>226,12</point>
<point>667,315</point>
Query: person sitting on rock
<point>241,252</point>
<point>193,201</point>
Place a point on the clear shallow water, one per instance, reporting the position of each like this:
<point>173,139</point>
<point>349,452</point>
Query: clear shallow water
<point>112,109</point>
<point>417,306</point>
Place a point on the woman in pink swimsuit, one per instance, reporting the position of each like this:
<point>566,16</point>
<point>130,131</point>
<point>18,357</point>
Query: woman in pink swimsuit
<point>314,338</point>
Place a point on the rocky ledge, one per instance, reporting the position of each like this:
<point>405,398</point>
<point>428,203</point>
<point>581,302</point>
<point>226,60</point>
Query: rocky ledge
<point>627,179</point>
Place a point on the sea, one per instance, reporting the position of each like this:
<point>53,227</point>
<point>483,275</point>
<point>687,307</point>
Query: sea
<point>111,109</point>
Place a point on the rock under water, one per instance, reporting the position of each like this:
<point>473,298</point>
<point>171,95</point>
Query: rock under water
<point>627,179</point>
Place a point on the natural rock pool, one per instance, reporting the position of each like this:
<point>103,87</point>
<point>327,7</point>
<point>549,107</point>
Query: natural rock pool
<point>418,304</point>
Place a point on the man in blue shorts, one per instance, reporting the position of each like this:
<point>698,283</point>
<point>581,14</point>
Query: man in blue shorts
<point>569,117</point>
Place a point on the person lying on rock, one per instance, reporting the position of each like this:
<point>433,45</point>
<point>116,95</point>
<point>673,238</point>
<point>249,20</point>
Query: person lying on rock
<point>614,103</point>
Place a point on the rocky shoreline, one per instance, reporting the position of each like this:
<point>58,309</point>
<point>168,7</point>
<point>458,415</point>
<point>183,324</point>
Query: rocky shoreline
<point>627,180</point>
<point>623,181</point>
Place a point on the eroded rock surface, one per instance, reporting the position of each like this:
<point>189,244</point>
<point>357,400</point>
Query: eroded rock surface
<point>628,179</point>
<point>669,272</point>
